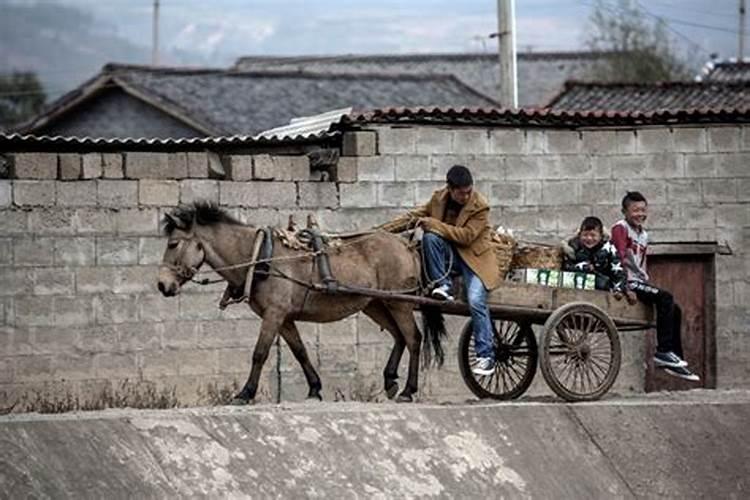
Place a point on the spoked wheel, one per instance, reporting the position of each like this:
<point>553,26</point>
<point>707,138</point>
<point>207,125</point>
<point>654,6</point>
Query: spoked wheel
<point>516,355</point>
<point>580,355</point>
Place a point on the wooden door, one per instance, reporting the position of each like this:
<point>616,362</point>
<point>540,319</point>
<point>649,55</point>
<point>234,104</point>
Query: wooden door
<point>690,279</point>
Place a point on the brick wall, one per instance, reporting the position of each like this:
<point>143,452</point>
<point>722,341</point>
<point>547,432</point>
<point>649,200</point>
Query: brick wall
<point>82,325</point>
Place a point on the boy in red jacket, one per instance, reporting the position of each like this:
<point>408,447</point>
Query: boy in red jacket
<point>631,241</point>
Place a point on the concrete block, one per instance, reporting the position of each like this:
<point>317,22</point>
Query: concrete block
<point>35,166</point>
<point>359,195</point>
<point>733,215</point>
<point>397,140</point>
<point>700,165</point>
<point>567,167</point>
<point>564,141</point>
<point>70,166</point>
<point>116,251</point>
<point>180,335</point>
<point>683,191</point>
<point>655,191</point>
<point>182,362</point>
<point>109,365</point>
<point>92,166</point>
<point>140,165</point>
<point>151,250</point>
<point>599,192</point>
<point>177,165</point>
<point>202,306</point>
<point>690,140</point>
<point>359,143</point>
<point>440,164</point>
<point>630,167</point>
<point>471,141</point>
<point>6,193</point>
<point>560,192</point>
<point>40,221</point>
<point>598,142</point>
<point>743,189</point>
<point>197,165</point>
<point>116,194</point>
<point>523,167</point>
<point>318,194</point>
<point>241,166</point>
<point>626,141</point>
<point>506,193</point>
<point>424,190</point>
<point>690,217</point>
<point>33,251</point>
<point>75,252</point>
<point>345,170</point>
<point>412,168</point>
<point>115,309</point>
<point>733,165</point>
<point>34,368</point>
<point>536,142</point>
<point>487,168</point>
<point>376,168</point>
<point>239,194</point>
<point>154,307</point>
<point>665,165</point>
<point>135,279</point>
<point>34,311</point>
<point>532,193</point>
<point>284,168</point>
<point>396,194</point>
<point>112,166</point>
<point>277,194</point>
<point>719,190</point>
<point>433,141</point>
<point>654,140</point>
<point>53,281</point>
<point>76,193</point>
<point>193,190</point>
<point>34,193</point>
<point>94,221</point>
<point>158,192</point>
<point>94,279</point>
<point>507,141</point>
<point>723,139</point>
<point>663,217</point>
<point>16,281</point>
<point>73,311</point>
<point>6,252</point>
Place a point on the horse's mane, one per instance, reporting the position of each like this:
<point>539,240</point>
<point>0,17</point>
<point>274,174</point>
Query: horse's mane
<point>204,213</point>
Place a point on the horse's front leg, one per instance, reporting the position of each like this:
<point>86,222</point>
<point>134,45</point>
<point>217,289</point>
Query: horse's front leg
<point>269,328</point>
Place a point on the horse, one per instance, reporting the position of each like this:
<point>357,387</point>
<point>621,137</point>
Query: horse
<point>202,233</point>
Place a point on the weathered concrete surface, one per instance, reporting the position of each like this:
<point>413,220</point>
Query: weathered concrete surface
<point>690,445</point>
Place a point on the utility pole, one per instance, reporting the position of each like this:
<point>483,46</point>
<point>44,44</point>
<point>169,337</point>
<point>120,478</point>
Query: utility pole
<point>155,37</point>
<point>741,35</point>
<point>506,27</point>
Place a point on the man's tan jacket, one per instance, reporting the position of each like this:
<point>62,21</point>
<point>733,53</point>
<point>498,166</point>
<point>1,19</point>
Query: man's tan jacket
<point>470,235</point>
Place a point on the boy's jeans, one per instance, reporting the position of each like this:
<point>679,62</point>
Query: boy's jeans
<point>437,255</point>
<point>668,316</point>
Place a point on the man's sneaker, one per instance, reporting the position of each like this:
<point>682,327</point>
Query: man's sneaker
<point>682,372</point>
<point>668,359</point>
<point>484,366</point>
<point>442,293</point>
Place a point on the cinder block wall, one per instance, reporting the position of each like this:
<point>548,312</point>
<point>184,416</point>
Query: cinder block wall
<point>82,325</point>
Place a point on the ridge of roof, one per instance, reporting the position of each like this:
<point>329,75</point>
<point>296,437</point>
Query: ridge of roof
<point>658,85</point>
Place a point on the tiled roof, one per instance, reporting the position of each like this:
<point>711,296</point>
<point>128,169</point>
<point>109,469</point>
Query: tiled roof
<point>540,74</point>
<point>726,71</point>
<point>220,102</point>
<point>583,96</point>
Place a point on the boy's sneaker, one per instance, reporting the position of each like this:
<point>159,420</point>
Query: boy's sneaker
<point>668,359</point>
<point>442,293</point>
<point>682,372</point>
<point>484,366</point>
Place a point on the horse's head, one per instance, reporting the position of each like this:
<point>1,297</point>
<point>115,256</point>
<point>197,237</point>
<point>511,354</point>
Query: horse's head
<point>184,253</point>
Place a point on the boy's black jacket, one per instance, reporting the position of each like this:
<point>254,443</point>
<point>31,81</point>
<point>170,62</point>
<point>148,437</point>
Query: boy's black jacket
<point>609,272</point>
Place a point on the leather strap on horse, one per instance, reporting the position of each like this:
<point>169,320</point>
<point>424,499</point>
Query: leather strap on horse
<point>261,236</point>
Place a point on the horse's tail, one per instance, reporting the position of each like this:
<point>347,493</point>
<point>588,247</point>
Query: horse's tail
<point>433,324</point>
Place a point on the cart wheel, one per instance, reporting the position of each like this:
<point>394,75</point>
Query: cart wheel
<point>516,354</point>
<point>580,355</point>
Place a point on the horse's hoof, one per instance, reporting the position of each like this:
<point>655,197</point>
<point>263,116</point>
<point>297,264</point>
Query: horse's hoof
<point>239,402</point>
<point>391,390</point>
<point>404,398</point>
<point>314,397</point>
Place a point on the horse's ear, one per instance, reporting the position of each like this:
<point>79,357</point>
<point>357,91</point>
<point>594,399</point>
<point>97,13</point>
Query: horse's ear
<point>173,221</point>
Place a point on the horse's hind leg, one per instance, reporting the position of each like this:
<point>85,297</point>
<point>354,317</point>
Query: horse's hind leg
<point>403,315</point>
<point>269,327</point>
<point>290,333</point>
<point>377,311</point>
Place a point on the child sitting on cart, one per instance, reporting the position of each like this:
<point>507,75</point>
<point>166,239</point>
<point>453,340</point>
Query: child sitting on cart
<point>590,251</point>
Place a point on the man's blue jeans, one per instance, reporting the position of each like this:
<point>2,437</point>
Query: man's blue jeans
<point>438,254</point>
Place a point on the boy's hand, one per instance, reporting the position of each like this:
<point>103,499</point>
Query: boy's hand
<point>618,295</point>
<point>632,298</point>
<point>427,223</point>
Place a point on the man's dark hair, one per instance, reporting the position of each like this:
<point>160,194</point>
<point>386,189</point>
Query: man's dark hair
<point>592,223</point>
<point>459,176</point>
<point>632,197</point>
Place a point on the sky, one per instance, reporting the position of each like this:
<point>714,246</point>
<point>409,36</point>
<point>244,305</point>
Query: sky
<point>222,30</point>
